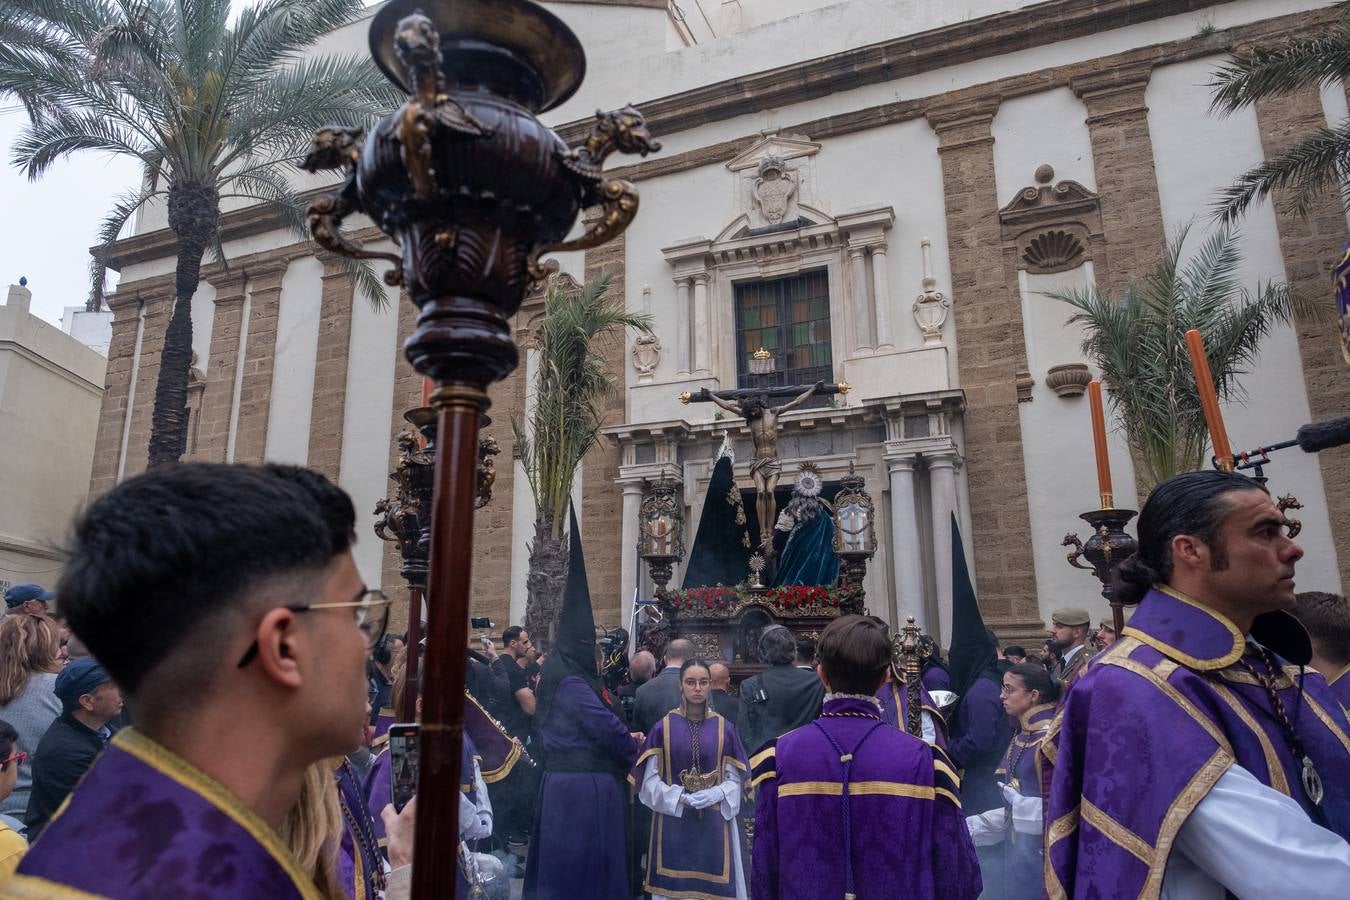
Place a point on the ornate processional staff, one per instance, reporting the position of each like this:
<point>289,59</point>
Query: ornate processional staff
<point>474,189</point>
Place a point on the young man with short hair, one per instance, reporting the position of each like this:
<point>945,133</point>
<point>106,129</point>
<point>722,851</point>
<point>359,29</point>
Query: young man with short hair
<point>849,806</point>
<point>1327,618</point>
<point>255,669</point>
<point>89,701</point>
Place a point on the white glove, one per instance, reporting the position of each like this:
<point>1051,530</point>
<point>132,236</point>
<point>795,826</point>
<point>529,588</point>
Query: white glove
<point>706,799</point>
<point>687,799</point>
<point>988,828</point>
<point>1026,811</point>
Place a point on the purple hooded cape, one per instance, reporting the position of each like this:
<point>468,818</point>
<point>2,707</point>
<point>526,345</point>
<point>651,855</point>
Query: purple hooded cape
<point>895,708</point>
<point>1148,729</point>
<point>145,823</point>
<point>691,855</point>
<point>901,824</point>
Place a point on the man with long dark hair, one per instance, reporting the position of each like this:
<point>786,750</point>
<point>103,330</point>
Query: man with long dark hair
<point>1191,758</point>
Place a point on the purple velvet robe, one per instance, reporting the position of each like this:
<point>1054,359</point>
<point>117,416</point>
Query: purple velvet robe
<point>691,855</point>
<point>579,826</point>
<point>1014,869</point>
<point>1340,686</point>
<point>1149,728</point>
<point>144,823</point>
<point>902,822</point>
<point>360,864</point>
<point>895,708</point>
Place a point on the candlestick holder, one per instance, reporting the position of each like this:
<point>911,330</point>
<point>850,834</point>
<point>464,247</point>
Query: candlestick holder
<point>473,189</point>
<point>1109,545</point>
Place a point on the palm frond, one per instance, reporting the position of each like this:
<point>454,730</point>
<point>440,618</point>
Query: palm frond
<point>114,223</point>
<point>1282,69</point>
<point>1316,165</point>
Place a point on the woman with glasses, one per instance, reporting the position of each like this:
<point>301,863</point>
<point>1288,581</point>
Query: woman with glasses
<point>690,773</point>
<point>1008,838</point>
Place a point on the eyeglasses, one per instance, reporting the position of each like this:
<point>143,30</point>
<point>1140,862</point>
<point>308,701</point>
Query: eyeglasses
<point>371,608</point>
<point>17,757</point>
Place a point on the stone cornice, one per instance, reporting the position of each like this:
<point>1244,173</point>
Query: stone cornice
<point>1039,25</point>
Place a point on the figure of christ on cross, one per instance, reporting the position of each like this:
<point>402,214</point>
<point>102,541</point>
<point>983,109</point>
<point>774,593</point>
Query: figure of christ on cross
<point>762,420</point>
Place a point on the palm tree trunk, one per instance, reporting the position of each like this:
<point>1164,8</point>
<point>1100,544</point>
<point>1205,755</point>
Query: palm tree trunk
<point>545,583</point>
<point>193,214</point>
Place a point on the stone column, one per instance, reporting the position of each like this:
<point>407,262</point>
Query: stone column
<point>683,350</point>
<point>628,560</point>
<point>1122,157</point>
<point>330,368</point>
<point>942,487</point>
<point>905,553</point>
<point>702,336</point>
<point>885,334</point>
<point>255,393</point>
<point>862,313</point>
<point>988,330</point>
<point>213,432</point>
<point>121,372</point>
<point>158,308</point>
<point>1310,245</point>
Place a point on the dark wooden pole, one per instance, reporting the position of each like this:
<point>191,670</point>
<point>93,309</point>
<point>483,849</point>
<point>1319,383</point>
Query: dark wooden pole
<point>447,635</point>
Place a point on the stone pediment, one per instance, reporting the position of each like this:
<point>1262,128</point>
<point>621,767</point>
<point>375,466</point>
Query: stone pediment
<point>785,147</point>
<point>1053,226</point>
<point>1047,203</point>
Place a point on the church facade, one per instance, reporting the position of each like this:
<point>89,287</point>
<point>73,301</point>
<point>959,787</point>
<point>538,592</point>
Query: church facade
<point>880,194</point>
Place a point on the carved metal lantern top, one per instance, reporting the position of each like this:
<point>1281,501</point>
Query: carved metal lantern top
<point>465,178</point>
<point>854,533</point>
<point>662,524</point>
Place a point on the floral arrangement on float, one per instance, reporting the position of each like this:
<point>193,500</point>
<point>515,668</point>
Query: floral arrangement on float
<point>790,596</point>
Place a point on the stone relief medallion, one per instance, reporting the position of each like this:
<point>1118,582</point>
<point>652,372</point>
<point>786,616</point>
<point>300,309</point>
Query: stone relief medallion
<point>774,189</point>
<point>646,354</point>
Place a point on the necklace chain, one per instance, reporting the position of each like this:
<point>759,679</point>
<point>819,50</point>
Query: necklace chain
<point>1312,782</point>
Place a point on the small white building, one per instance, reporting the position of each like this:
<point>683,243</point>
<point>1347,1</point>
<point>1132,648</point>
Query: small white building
<point>51,389</point>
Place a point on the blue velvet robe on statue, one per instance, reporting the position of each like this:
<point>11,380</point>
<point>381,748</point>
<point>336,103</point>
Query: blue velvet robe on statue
<point>901,833</point>
<point>693,853</point>
<point>579,835</point>
<point>809,556</point>
<point>143,822</point>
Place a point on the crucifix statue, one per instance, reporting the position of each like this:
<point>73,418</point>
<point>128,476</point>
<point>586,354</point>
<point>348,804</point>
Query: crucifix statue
<point>762,419</point>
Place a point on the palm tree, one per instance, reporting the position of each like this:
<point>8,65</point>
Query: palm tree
<point>215,112</point>
<point>1138,343</point>
<point>1318,163</point>
<point>565,423</point>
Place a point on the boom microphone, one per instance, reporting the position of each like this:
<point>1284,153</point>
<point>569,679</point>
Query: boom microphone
<point>1318,436</point>
<point>1311,438</point>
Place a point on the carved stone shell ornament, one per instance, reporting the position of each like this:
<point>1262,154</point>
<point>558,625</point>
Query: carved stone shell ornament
<point>1053,251</point>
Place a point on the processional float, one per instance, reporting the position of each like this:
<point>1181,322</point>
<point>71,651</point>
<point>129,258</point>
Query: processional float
<point>474,190</point>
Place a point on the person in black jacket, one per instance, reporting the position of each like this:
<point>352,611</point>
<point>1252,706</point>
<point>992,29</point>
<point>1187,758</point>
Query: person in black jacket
<point>782,697</point>
<point>89,700</point>
<point>662,693</point>
<point>724,703</point>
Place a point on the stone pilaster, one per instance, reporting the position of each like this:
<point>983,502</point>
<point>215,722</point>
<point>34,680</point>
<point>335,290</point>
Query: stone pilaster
<point>991,350</point>
<point>1310,246</point>
<point>158,306</point>
<point>330,368</point>
<point>1122,157</point>
<point>126,308</point>
<point>255,392</point>
<point>213,430</point>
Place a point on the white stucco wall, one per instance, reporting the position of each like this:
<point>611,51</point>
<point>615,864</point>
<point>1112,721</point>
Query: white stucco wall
<point>365,421</point>
<point>1196,155</point>
<point>293,370</point>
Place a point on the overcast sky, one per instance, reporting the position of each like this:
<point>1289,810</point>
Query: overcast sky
<point>48,226</point>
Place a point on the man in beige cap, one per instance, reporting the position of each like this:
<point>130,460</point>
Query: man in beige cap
<point>1068,632</point>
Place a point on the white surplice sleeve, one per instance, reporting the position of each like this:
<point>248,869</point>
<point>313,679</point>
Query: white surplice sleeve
<point>475,819</point>
<point>731,792</point>
<point>656,794</point>
<point>988,828</point>
<point>1255,842</point>
<point>928,728</point>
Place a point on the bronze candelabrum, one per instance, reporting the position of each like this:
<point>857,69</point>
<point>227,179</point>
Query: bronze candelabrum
<point>1107,547</point>
<point>474,189</point>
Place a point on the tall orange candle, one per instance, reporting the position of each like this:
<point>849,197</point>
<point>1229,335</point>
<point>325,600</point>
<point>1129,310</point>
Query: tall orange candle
<point>1209,400</point>
<point>1099,443</point>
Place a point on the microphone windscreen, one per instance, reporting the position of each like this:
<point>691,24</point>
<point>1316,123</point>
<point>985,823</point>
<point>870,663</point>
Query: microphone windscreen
<point>1317,436</point>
